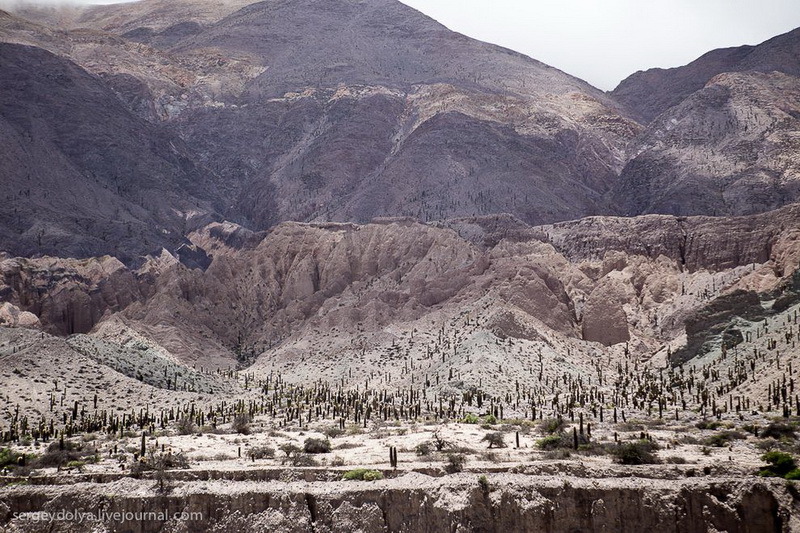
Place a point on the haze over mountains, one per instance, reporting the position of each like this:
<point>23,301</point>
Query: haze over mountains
<point>228,159</point>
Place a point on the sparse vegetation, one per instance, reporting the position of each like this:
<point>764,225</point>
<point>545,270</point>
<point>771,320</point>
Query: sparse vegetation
<point>455,463</point>
<point>780,464</point>
<point>362,474</point>
<point>312,445</point>
<point>636,453</point>
<point>261,452</point>
<point>495,440</point>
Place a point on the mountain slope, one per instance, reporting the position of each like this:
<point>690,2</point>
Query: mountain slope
<point>334,122</point>
<point>82,175</point>
<point>650,93</point>
<point>314,110</point>
<point>729,149</point>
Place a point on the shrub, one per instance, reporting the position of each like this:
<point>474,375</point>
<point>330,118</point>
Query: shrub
<point>779,431</point>
<point>723,438</point>
<point>302,459</point>
<point>636,453</point>
<point>185,426</point>
<point>455,463</point>
<point>241,424</point>
<point>312,445</point>
<point>78,465</point>
<point>780,465</point>
<point>159,462</point>
<point>261,452</point>
<point>62,452</point>
<point>709,424</point>
<point>290,449</point>
<point>555,441</point>
<point>362,474</point>
<point>557,454</point>
<point>8,457</point>
<point>422,449</point>
<point>471,418</point>
<point>372,475</point>
<point>439,442</point>
<point>495,440</point>
<point>483,482</point>
<point>333,432</point>
<point>676,460</point>
<point>552,425</point>
<point>490,419</point>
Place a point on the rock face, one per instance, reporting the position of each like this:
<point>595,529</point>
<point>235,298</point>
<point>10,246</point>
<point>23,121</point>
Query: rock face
<point>728,149</point>
<point>416,502</point>
<point>69,296</point>
<point>605,280</point>
<point>11,316</point>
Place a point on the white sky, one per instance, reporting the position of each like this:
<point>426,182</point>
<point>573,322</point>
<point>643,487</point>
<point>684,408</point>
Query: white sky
<point>604,41</point>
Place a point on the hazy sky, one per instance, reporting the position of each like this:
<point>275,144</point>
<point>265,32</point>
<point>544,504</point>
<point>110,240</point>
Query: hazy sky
<point>604,41</point>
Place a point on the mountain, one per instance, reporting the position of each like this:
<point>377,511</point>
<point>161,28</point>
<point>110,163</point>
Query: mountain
<point>378,109</point>
<point>81,174</point>
<point>730,148</point>
<point>648,94</point>
<point>338,110</point>
<point>246,183</point>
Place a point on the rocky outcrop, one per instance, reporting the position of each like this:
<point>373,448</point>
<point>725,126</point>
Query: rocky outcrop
<point>694,242</point>
<point>11,316</point>
<point>416,502</point>
<point>604,318</point>
<point>69,296</point>
<point>601,279</point>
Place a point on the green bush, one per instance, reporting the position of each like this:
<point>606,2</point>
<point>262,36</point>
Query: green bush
<point>780,465</point>
<point>362,474</point>
<point>555,441</point>
<point>636,453</point>
<point>372,475</point>
<point>79,465</point>
<point>10,458</point>
<point>471,419</point>
<point>312,445</point>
